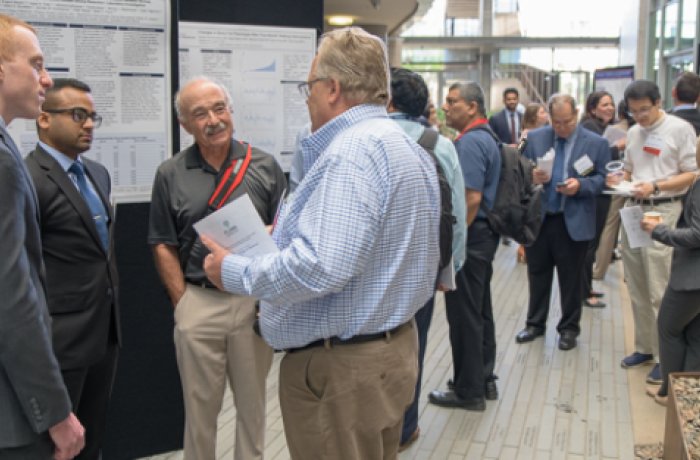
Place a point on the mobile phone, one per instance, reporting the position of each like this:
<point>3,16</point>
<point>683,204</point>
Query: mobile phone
<point>561,184</point>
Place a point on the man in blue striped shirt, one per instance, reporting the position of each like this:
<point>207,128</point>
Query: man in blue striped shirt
<point>358,257</point>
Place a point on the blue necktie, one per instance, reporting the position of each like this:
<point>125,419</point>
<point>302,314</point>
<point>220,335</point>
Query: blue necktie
<point>97,210</point>
<point>554,198</point>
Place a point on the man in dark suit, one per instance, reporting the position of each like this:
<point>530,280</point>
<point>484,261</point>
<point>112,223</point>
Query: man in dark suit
<point>685,93</point>
<point>36,421</point>
<point>78,251</point>
<point>507,124</point>
<point>577,177</point>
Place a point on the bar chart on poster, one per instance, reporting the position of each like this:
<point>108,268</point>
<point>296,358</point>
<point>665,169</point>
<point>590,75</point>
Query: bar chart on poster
<point>261,66</point>
<point>120,49</point>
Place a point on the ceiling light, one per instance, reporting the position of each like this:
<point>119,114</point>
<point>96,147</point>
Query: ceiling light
<point>340,21</point>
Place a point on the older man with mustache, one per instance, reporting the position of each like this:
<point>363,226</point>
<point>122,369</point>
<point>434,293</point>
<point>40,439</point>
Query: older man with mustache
<point>214,337</point>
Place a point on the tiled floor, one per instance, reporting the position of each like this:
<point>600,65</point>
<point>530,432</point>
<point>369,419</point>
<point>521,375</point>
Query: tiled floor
<point>572,405</point>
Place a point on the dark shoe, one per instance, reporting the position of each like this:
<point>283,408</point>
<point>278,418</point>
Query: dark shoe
<point>654,377</point>
<point>413,438</point>
<point>567,340</point>
<point>636,359</point>
<point>490,389</point>
<point>597,294</point>
<point>528,334</point>
<point>450,399</point>
<point>598,304</point>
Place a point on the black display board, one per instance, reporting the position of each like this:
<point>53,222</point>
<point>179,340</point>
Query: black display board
<point>146,412</point>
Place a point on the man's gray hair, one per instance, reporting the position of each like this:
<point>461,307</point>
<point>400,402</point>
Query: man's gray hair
<point>202,78</point>
<point>470,91</point>
<point>358,61</point>
<point>561,99</point>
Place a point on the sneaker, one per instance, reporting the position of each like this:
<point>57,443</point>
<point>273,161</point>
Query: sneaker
<point>654,377</point>
<point>637,359</point>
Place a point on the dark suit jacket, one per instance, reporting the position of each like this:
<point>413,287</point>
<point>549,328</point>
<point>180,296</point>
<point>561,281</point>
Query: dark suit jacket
<point>500,124</point>
<point>685,240</point>
<point>81,276</point>
<point>692,116</point>
<point>32,395</point>
<point>579,210</point>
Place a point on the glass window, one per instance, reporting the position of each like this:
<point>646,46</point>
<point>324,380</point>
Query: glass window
<point>688,23</point>
<point>670,26</point>
<point>505,6</point>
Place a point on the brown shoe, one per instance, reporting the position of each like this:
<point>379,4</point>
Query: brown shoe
<point>409,442</point>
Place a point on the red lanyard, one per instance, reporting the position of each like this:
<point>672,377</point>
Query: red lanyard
<point>237,170</point>
<point>477,122</point>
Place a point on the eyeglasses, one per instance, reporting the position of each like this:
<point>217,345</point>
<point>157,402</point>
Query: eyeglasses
<point>202,113</point>
<point>79,115</point>
<point>564,122</point>
<point>450,102</point>
<point>305,86</point>
<point>641,112</point>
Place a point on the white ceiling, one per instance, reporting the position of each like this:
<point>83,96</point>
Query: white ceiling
<point>393,14</point>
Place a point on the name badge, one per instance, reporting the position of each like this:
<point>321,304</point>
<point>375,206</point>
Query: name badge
<point>654,145</point>
<point>584,165</point>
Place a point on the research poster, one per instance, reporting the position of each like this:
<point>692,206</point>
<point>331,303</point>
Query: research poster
<point>261,66</point>
<point>614,81</point>
<point>120,49</point>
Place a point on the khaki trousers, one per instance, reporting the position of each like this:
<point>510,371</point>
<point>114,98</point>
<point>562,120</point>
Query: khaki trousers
<point>214,339</point>
<point>647,271</point>
<point>347,402</point>
<point>608,239</point>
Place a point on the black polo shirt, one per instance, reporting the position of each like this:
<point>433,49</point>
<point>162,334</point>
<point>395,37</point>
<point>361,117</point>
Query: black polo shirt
<point>181,191</point>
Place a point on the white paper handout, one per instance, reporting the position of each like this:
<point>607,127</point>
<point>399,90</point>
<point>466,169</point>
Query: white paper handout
<point>446,277</point>
<point>546,162</point>
<point>631,217</point>
<point>239,228</point>
<point>624,188</point>
<point>614,134</point>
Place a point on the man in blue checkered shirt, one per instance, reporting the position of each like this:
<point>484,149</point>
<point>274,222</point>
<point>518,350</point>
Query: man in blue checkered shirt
<point>358,257</point>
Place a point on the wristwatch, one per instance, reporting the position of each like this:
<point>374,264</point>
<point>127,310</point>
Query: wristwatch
<point>656,188</point>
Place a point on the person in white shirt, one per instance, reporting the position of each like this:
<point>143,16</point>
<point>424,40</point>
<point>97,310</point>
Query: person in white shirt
<point>660,161</point>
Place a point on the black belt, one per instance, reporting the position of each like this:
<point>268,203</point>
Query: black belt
<point>334,341</point>
<point>653,201</point>
<point>554,214</point>
<point>203,284</point>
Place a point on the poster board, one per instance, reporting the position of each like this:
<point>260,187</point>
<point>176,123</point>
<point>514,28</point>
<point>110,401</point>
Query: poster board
<point>261,67</point>
<point>613,80</point>
<point>122,52</point>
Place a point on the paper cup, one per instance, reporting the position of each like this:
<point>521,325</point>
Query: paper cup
<point>653,216</point>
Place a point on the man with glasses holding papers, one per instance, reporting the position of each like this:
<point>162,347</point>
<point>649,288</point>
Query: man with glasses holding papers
<point>214,337</point>
<point>660,163</point>
<point>358,257</point>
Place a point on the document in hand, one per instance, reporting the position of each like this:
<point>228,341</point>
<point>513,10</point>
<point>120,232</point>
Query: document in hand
<point>546,162</point>
<point>631,217</point>
<point>614,134</point>
<point>239,228</point>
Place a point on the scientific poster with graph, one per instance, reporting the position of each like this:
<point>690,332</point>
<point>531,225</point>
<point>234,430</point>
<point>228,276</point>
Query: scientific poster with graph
<point>261,66</point>
<point>120,49</point>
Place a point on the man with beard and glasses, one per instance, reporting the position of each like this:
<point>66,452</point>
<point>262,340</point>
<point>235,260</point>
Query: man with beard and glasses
<point>214,336</point>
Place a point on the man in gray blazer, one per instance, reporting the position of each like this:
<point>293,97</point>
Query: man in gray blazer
<point>78,250</point>
<point>36,421</point>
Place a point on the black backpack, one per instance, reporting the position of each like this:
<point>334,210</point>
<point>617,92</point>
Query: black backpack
<point>517,210</point>
<point>428,140</point>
